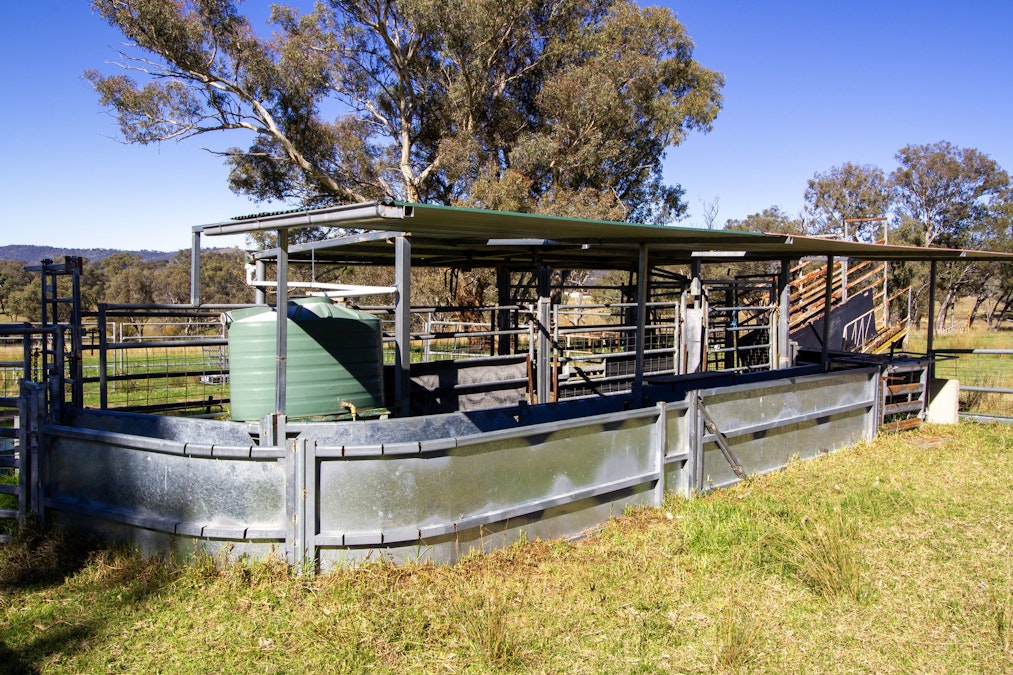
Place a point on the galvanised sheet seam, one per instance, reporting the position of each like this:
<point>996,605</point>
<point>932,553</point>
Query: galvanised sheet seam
<point>792,381</point>
<point>452,443</point>
<point>795,419</point>
<point>167,525</point>
<point>405,534</point>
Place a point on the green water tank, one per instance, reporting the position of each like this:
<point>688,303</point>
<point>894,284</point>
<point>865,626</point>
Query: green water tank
<point>335,358</point>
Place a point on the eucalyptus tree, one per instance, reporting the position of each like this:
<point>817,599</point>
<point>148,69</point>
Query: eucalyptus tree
<point>772,219</point>
<point>530,105</point>
<point>947,192</point>
<point>849,191</point>
<point>951,196</point>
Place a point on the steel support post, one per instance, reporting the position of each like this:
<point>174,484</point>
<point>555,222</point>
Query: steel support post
<point>54,374</point>
<point>36,406</point>
<point>783,315</point>
<point>195,268</point>
<point>827,297</point>
<point>661,439</point>
<point>543,347</point>
<point>281,318</point>
<point>930,335</point>
<point>642,280</point>
<point>24,443</point>
<point>694,425</point>
<point>543,351</point>
<point>296,542</point>
<point>402,325</point>
<point>260,270</point>
<point>77,335</point>
<point>103,359</point>
<point>503,341</point>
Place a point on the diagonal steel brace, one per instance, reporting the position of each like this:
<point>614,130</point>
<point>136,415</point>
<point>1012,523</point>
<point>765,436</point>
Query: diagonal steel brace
<point>721,439</point>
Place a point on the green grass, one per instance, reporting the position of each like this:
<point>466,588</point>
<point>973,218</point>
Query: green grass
<point>891,556</point>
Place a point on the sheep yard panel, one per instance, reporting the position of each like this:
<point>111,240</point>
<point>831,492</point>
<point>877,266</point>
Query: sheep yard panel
<point>434,488</point>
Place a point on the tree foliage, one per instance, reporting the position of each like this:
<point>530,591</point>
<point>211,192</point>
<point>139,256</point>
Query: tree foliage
<point>947,193</point>
<point>557,106</point>
<point>124,278</point>
<point>771,219</point>
<point>845,192</point>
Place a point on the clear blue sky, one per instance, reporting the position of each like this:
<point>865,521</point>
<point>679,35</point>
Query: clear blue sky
<point>809,86</point>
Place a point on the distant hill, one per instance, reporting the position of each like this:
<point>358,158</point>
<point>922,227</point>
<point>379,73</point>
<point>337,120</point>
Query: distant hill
<point>30,254</point>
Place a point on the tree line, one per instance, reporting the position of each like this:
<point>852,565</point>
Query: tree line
<point>125,278</point>
<point>939,195</point>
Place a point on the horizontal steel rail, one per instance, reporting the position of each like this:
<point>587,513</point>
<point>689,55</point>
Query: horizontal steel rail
<point>169,344</point>
<point>407,534</point>
<point>986,390</point>
<point>166,446</point>
<point>169,525</point>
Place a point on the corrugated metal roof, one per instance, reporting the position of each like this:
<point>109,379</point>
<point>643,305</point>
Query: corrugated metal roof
<point>450,235</point>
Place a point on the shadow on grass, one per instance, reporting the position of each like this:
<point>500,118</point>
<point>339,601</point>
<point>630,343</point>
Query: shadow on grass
<point>37,568</point>
<point>64,639</point>
<point>36,557</point>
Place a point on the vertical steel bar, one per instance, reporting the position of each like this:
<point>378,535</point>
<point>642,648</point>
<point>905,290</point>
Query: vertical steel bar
<point>36,406</point>
<point>26,364</point>
<point>402,325</point>
<point>281,312</point>
<point>543,350</point>
<point>76,336</point>
<point>503,345</point>
<point>310,505</point>
<point>642,280</point>
<point>294,501</point>
<point>103,359</point>
<point>260,274</point>
<point>929,346</point>
<point>681,339</point>
<point>696,441</point>
<point>44,338</point>
<point>784,315</point>
<point>661,450</point>
<point>24,444</point>
<point>55,375</point>
<point>827,297</point>
<point>195,268</point>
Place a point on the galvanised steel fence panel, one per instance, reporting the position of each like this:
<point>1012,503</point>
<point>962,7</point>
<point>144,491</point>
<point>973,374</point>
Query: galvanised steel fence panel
<point>434,488</point>
<point>173,486</point>
<point>402,494</point>
<point>766,425</point>
<point>677,449</point>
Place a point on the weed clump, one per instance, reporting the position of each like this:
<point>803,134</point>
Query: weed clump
<point>819,551</point>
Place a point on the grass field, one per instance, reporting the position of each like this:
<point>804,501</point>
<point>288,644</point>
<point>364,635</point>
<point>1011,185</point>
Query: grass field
<point>892,556</point>
<point>983,370</point>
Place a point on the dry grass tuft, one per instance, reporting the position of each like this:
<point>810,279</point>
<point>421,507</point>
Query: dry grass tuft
<point>820,552</point>
<point>739,632</point>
